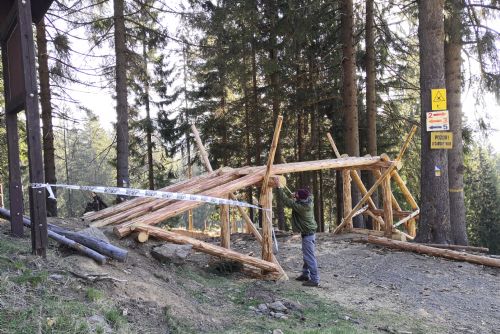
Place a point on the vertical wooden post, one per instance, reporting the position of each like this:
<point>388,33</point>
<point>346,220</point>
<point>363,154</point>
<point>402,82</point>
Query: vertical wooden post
<point>347,199</point>
<point>1,194</point>
<point>225,229</point>
<point>15,185</point>
<point>266,196</point>
<point>386,194</point>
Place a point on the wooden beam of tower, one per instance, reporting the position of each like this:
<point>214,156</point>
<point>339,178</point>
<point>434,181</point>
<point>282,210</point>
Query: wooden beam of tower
<point>386,195</point>
<point>251,227</point>
<point>354,174</point>
<point>266,197</point>
<point>365,198</point>
<point>206,247</point>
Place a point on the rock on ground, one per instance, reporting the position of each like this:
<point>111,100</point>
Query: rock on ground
<point>172,253</point>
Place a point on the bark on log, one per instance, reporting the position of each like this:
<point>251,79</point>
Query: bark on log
<point>127,205</point>
<point>446,253</point>
<point>460,247</point>
<point>180,207</point>
<point>156,204</point>
<point>207,248</point>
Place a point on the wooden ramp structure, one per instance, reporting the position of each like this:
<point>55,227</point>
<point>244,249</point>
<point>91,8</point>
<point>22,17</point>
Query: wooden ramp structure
<point>140,215</point>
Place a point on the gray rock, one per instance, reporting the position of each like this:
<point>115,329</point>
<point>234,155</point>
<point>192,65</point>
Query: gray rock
<point>56,277</point>
<point>278,315</point>
<point>97,322</point>
<point>277,331</point>
<point>262,307</point>
<point>277,306</point>
<point>172,253</point>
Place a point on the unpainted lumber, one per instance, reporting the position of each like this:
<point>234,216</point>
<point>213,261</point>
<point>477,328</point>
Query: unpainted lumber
<point>460,247</point>
<point>386,195</point>
<point>124,206</point>
<point>207,248</point>
<point>266,196</point>
<point>156,204</point>
<point>249,224</point>
<point>225,229</point>
<point>179,207</point>
<point>445,253</point>
<point>346,197</point>
<point>140,237</point>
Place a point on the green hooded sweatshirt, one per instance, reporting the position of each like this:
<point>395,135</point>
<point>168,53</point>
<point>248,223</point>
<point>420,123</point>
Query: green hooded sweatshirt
<point>302,213</point>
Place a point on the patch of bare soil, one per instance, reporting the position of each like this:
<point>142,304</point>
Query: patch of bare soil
<point>364,289</point>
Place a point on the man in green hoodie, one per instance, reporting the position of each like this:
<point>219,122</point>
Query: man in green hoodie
<point>303,222</point>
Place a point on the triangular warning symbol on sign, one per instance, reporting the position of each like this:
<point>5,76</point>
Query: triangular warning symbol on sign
<point>439,97</point>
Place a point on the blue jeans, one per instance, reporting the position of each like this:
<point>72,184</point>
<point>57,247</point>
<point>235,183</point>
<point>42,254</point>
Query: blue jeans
<point>310,267</point>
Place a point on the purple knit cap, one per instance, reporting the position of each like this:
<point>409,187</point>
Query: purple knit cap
<point>303,194</point>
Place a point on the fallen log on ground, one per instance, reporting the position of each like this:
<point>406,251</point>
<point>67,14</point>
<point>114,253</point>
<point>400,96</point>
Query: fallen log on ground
<point>460,247</point>
<point>101,247</point>
<point>446,253</point>
<point>99,258</point>
<point>207,248</point>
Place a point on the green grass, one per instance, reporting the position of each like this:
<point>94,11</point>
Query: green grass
<point>115,318</point>
<point>94,295</point>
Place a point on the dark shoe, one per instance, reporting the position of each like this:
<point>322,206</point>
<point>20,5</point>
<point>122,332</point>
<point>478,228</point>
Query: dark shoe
<point>302,278</point>
<point>310,283</point>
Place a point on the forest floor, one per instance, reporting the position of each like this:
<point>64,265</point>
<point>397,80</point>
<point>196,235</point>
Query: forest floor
<point>364,289</point>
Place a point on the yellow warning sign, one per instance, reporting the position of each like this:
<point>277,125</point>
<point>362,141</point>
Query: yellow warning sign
<point>438,99</point>
<point>441,140</point>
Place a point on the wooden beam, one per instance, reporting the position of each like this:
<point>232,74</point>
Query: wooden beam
<point>446,253</point>
<point>225,229</point>
<point>406,143</point>
<point>365,198</point>
<point>207,248</point>
<point>249,224</point>
<point>266,197</point>
<point>347,198</point>
<point>386,195</point>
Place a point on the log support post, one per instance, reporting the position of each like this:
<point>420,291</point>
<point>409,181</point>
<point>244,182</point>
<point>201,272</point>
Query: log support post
<point>386,195</point>
<point>225,229</point>
<point>267,226</point>
<point>347,198</point>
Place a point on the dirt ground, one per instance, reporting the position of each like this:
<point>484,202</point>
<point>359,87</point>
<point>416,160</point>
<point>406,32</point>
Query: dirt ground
<point>364,289</point>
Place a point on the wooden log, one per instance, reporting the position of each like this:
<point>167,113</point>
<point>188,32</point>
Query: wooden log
<point>140,237</point>
<point>109,211</point>
<point>225,230</point>
<point>156,204</point>
<point>409,217</point>
<point>406,143</point>
<point>208,248</point>
<point>266,197</point>
<point>460,247</point>
<point>249,224</point>
<point>395,213</point>
<point>176,208</point>
<point>61,239</point>
<point>346,197</point>
<point>365,198</point>
<point>446,253</point>
<point>349,162</point>
<point>386,195</point>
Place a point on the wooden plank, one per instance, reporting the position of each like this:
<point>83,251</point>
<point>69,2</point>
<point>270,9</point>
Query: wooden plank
<point>38,213</point>
<point>266,197</point>
<point>207,248</point>
<point>446,253</point>
<point>15,185</point>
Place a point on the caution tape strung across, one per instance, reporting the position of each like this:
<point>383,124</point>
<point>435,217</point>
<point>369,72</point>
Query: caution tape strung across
<point>146,193</point>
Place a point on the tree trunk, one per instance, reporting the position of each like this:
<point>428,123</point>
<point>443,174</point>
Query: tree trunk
<point>149,122</point>
<point>122,134</point>
<point>453,49</point>
<point>435,207</point>
<point>349,91</point>
<point>371,97</point>
<point>45,102</point>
